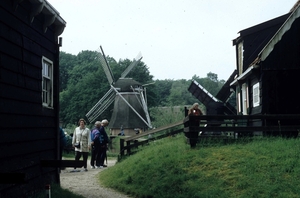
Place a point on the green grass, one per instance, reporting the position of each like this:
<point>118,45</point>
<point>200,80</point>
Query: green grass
<point>260,167</point>
<point>58,192</point>
<point>264,167</point>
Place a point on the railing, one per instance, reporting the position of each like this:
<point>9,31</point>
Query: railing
<point>145,137</point>
<point>241,125</point>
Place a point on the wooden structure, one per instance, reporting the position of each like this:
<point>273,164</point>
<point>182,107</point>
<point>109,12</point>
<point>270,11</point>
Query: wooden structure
<point>218,105</point>
<point>236,126</point>
<point>268,68</point>
<point>135,141</point>
<point>130,112</point>
<point>29,97</point>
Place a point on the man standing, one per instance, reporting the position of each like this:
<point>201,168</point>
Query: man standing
<point>103,138</point>
<point>95,143</point>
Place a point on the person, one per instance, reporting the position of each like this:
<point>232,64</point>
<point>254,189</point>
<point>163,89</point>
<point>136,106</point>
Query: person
<point>194,110</point>
<point>63,142</point>
<point>122,131</point>
<point>103,138</point>
<point>194,123</point>
<point>82,137</point>
<point>95,144</point>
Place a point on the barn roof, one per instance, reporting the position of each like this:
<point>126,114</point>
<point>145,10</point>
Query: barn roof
<point>295,6</point>
<point>268,48</point>
<point>278,35</point>
<point>51,15</point>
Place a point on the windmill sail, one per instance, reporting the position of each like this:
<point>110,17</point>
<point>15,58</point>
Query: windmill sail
<point>106,67</point>
<point>101,105</point>
<point>213,105</point>
<point>129,111</point>
<point>145,109</point>
<point>133,64</point>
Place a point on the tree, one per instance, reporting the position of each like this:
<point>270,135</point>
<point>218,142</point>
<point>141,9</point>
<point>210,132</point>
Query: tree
<point>161,90</point>
<point>83,82</point>
<point>66,64</point>
<point>87,83</point>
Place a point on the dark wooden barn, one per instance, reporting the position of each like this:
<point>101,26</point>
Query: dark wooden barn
<point>268,65</point>
<point>29,97</point>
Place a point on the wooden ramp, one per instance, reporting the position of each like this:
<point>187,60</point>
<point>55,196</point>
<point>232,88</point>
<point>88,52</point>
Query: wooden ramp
<point>153,131</point>
<point>136,139</point>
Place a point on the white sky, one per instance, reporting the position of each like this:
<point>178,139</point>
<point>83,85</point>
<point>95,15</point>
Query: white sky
<point>177,38</point>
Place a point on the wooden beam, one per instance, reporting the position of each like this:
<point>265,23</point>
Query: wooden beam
<point>240,129</point>
<point>153,131</point>
<point>62,163</point>
<point>12,178</point>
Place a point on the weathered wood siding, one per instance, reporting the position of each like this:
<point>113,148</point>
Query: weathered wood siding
<point>29,131</point>
<point>281,72</point>
<point>256,37</point>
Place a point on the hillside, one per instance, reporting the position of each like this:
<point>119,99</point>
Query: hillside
<point>170,168</point>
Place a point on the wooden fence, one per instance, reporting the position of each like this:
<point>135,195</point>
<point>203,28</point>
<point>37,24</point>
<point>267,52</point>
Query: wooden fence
<point>240,125</point>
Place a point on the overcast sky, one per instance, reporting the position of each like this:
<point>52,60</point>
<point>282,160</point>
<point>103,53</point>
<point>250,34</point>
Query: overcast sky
<point>177,38</point>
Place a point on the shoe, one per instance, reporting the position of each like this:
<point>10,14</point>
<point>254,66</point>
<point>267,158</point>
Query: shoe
<point>92,167</point>
<point>99,166</point>
<point>104,165</point>
<point>74,170</point>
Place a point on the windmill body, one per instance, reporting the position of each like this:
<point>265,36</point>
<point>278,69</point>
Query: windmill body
<point>123,115</point>
<point>130,112</point>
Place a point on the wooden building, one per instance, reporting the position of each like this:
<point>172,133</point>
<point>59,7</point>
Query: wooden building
<point>29,97</point>
<point>268,69</point>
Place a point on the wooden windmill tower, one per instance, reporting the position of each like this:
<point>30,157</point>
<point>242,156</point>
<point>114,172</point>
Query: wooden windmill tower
<point>130,110</point>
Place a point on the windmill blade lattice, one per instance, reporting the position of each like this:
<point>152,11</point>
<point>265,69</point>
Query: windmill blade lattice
<point>101,105</point>
<point>132,65</point>
<point>105,66</point>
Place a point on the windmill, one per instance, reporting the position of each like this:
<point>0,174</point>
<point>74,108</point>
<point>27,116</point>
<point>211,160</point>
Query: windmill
<point>130,111</point>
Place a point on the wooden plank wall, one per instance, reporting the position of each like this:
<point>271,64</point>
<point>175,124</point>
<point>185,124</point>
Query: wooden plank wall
<point>28,131</point>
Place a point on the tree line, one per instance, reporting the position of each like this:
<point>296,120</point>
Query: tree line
<point>83,82</point>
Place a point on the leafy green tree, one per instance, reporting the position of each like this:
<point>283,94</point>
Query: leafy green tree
<point>87,83</point>
<point>83,82</point>
<point>179,93</point>
<point>162,90</point>
<point>210,83</point>
<point>66,63</point>
<point>162,116</point>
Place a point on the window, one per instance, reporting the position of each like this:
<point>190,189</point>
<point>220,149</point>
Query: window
<point>240,58</point>
<point>245,104</point>
<point>47,83</point>
<point>256,95</point>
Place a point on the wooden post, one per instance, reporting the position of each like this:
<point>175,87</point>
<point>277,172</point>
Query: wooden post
<point>122,147</point>
<point>128,147</point>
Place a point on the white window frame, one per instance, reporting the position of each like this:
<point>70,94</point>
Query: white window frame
<point>240,58</point>
<point>239,102</point>
<point>47,82</point>
<point>256,97</point>
<point>245,104</point>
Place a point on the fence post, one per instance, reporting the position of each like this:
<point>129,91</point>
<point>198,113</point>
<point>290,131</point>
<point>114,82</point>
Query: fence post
<point>128,147</point>
<point>122,147</point>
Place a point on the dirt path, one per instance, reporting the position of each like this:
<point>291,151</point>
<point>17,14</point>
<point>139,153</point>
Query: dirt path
<point>86,183</point>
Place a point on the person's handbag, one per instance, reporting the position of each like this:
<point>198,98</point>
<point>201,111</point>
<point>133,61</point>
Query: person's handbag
<point>77,145</point>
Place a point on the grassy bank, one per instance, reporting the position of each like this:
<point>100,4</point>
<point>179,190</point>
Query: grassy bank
<point>265,167</point>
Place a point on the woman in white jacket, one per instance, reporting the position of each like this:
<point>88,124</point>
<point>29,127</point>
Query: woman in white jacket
<point>82,143</point>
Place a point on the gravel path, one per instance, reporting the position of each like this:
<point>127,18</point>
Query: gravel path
<point>87,184</point>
